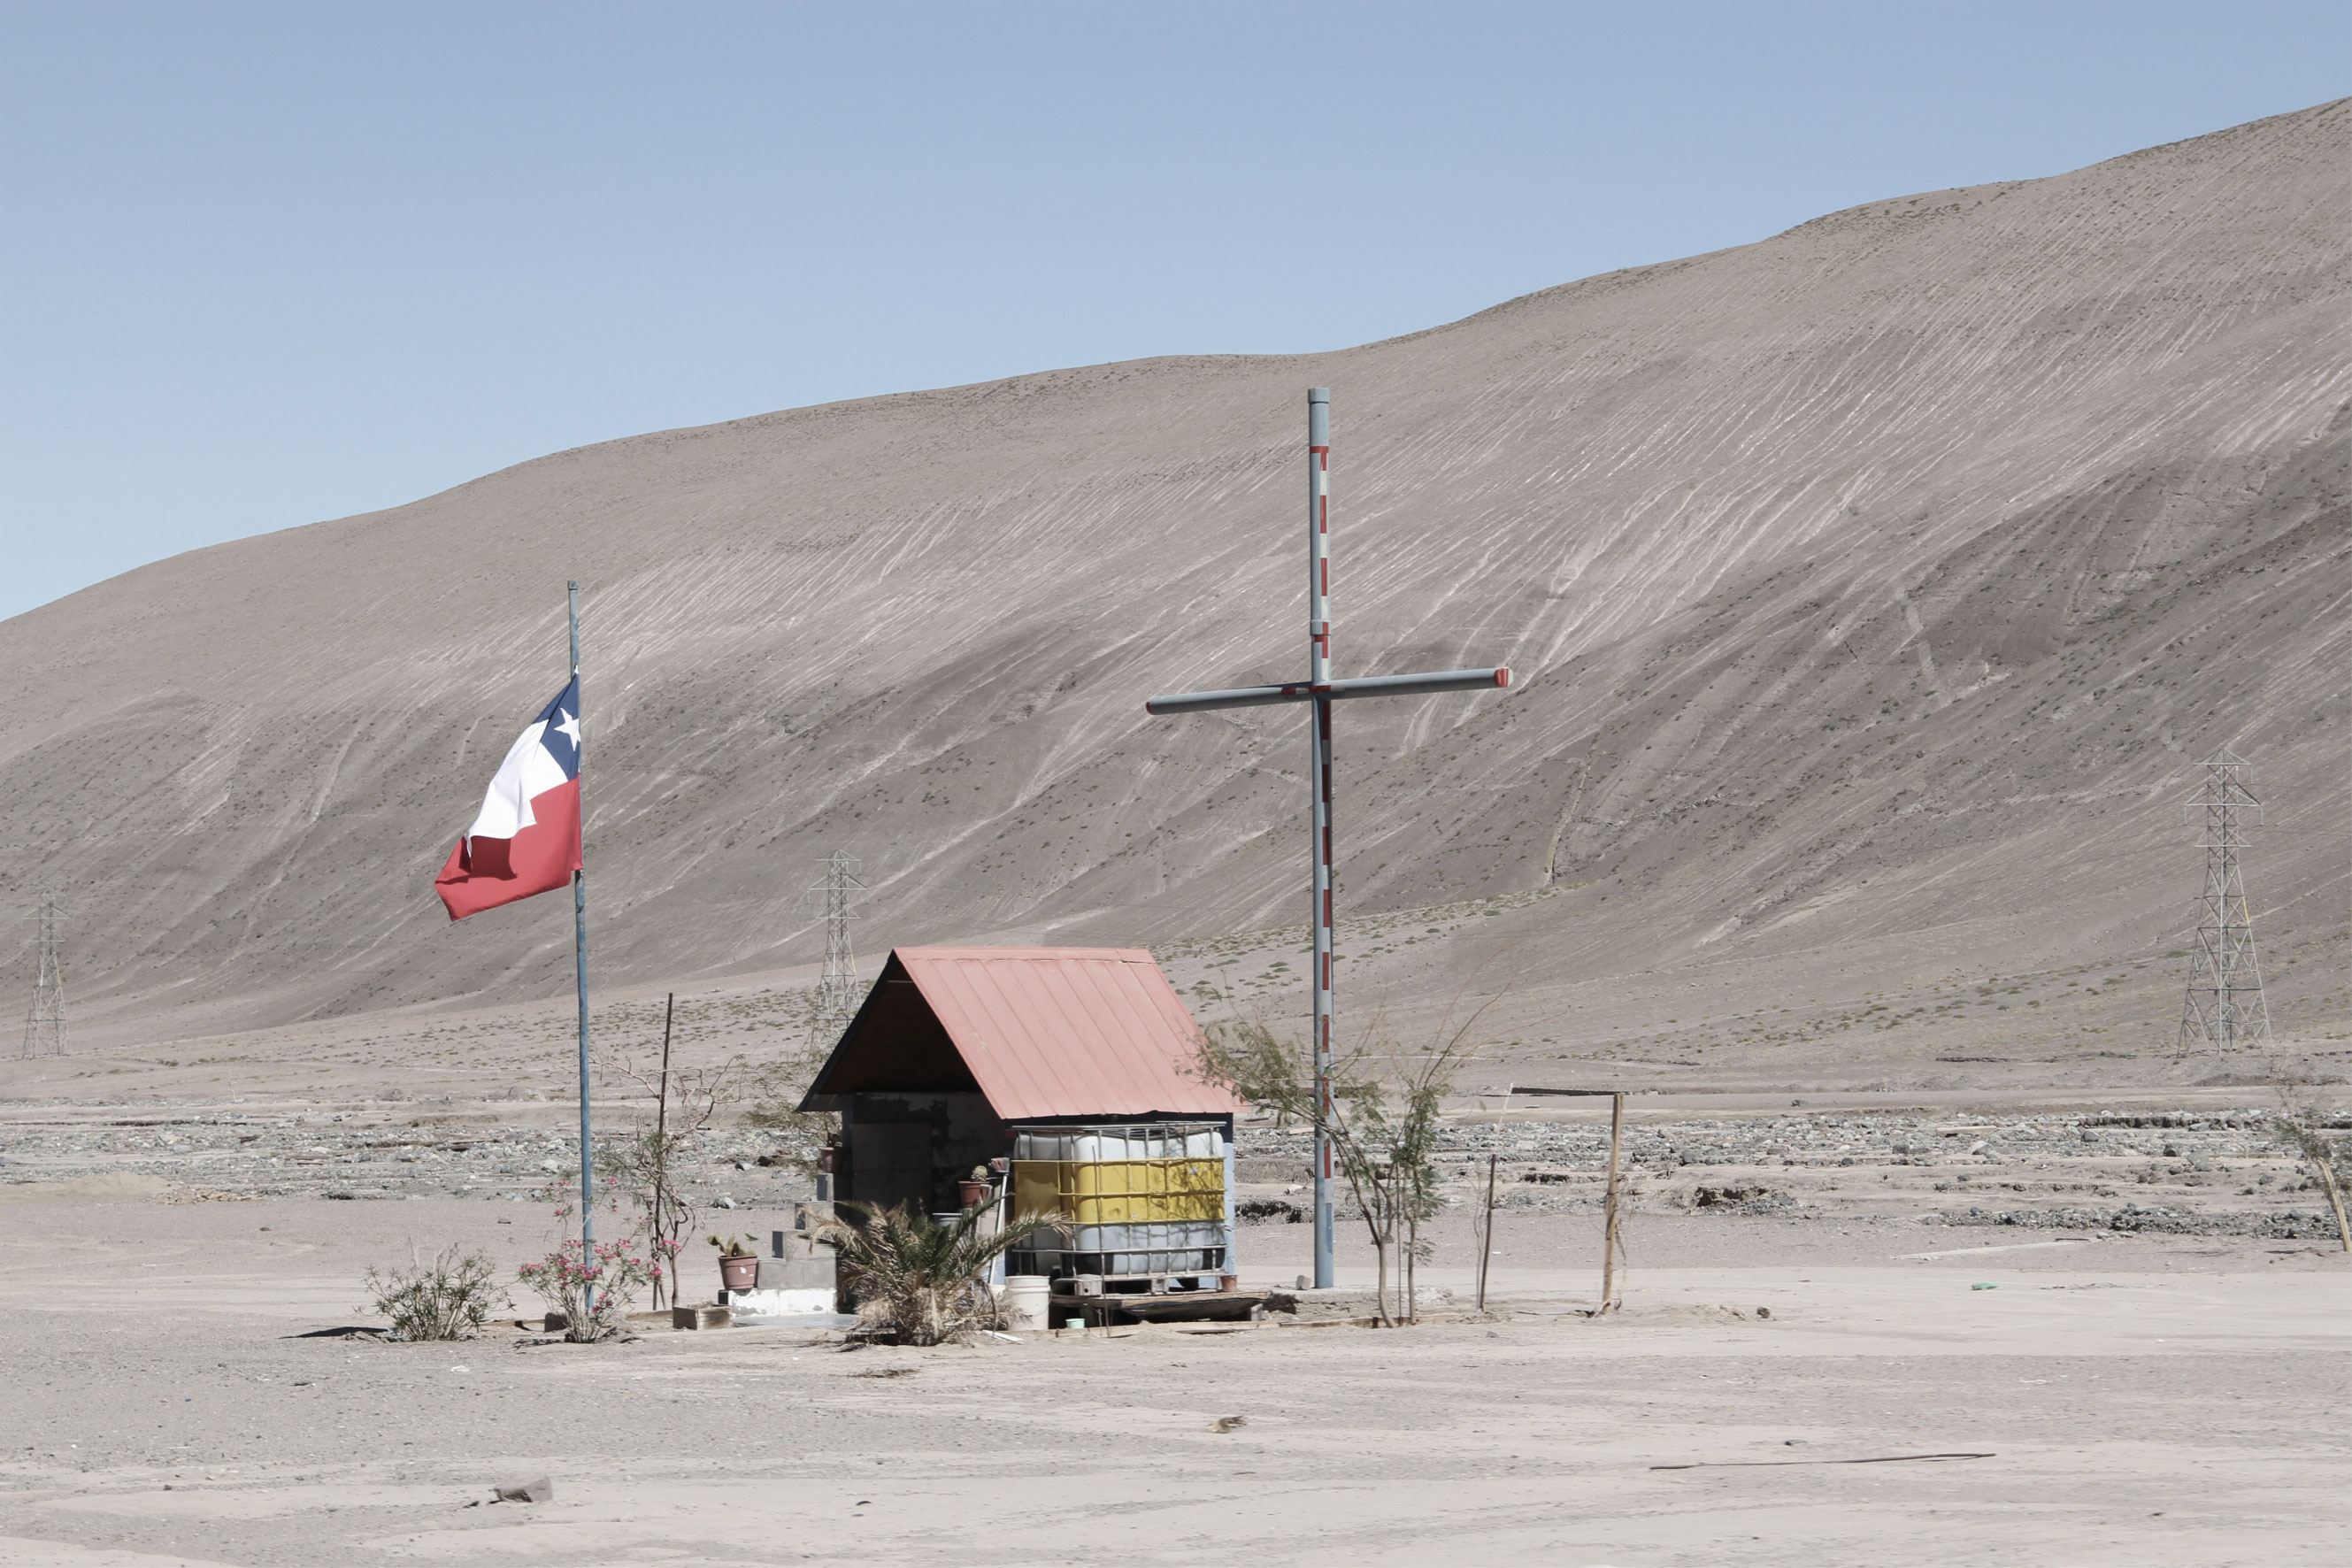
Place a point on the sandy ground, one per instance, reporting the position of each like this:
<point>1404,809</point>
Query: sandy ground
<point>2169,1392</point>
<point>2136,1398</point>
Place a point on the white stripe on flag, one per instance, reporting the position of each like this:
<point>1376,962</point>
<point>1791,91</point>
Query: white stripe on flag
<point>528,771</point>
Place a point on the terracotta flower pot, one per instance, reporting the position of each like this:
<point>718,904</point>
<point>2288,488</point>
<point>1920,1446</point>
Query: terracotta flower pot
<point>741,1273</point>
<point>974,1194</point>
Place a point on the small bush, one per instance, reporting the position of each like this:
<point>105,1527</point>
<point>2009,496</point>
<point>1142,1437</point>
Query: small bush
<point>448,1298</point>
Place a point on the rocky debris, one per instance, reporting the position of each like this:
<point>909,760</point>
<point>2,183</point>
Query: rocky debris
<point>2220,1170</point>
<point>1344,1306</point>
<point>1558,1148</point>
<point>350,1154</point>
<point>1728,1194</point>
<point>2211,1174</point>
<point>2292,1225</point>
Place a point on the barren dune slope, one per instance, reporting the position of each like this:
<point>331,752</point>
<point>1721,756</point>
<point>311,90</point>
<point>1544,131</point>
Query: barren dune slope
<point>1874,592</point>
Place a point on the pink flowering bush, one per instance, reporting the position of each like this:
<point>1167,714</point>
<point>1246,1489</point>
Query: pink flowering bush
<point>593,1287</point>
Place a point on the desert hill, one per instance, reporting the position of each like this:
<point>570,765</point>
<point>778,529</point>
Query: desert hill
<point>1874,592</point>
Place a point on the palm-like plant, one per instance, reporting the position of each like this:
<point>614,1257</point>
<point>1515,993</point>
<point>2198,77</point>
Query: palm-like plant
<point>916,1280</point>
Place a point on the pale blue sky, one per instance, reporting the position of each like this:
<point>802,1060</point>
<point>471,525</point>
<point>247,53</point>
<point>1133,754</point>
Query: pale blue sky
<point>267,264</point>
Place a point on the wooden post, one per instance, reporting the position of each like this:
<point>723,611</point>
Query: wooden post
<point>661,1163</point>
<point>1608,1239</point>
<point>1487,1253</point>
<point>1412,1240</point>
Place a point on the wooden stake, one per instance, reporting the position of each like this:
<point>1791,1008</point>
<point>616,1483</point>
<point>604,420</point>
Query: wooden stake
<point>661,1158</point>
<point>2336,1201</point>
<point>1608,1239</point>
<point>1487,1253</point>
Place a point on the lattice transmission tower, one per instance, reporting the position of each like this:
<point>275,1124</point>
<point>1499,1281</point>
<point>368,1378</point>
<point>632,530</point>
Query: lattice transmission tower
<point>2225,1007</point>
<point>837,992</point>
<point>45,1022</point>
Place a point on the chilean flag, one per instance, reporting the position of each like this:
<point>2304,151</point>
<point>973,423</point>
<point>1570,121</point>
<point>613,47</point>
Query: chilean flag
<point>527,838</point>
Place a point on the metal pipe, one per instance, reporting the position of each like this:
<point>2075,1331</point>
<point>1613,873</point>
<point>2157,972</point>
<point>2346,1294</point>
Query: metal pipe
<point>1237,697</point>
<point>1335,690</point>
<point>1319,675</point>
<point>1318,692</point>
<point>580,971</point>
<point>1412,685</point>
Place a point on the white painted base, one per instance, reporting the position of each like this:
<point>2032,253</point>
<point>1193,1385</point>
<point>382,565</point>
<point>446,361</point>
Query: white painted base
<point>777,1303</point>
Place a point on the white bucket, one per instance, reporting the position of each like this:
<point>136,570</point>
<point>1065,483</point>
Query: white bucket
<point>1027,1297</point>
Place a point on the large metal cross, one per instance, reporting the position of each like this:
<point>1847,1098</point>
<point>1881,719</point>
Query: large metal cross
<point>1318,692</point>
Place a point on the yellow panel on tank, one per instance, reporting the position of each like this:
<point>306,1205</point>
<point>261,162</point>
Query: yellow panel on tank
<point>1119,1191</point>
<point>1036,1190</point>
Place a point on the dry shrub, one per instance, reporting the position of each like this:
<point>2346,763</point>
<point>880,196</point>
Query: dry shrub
<point>448,1298</point>
<point>2301,1124</point>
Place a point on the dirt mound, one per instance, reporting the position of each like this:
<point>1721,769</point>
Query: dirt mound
<point>1873,589</point>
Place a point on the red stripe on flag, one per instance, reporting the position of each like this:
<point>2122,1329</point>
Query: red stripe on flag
<point>541,858</point>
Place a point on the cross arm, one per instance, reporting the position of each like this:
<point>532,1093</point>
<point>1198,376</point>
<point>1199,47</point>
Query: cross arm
<point>1364,686</point>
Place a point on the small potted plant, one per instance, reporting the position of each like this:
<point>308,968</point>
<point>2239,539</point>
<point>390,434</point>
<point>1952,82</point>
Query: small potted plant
<point>739,1269</point>
<point>975,1189</point>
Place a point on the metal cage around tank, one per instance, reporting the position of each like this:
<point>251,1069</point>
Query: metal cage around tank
<point>1134,1199</point>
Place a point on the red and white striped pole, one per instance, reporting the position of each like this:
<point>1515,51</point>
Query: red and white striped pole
<point>1318,679</point>
<point>1318,692</point>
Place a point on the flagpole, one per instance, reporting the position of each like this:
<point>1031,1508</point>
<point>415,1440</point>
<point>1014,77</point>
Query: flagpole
<point>580,968</point>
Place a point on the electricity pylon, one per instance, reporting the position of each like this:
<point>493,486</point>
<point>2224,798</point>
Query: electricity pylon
<point>838,990</point>
<point>2225,1007</point>
<point>45,1024</point>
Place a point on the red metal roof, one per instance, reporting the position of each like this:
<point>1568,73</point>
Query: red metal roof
<point>1067,1031</point>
